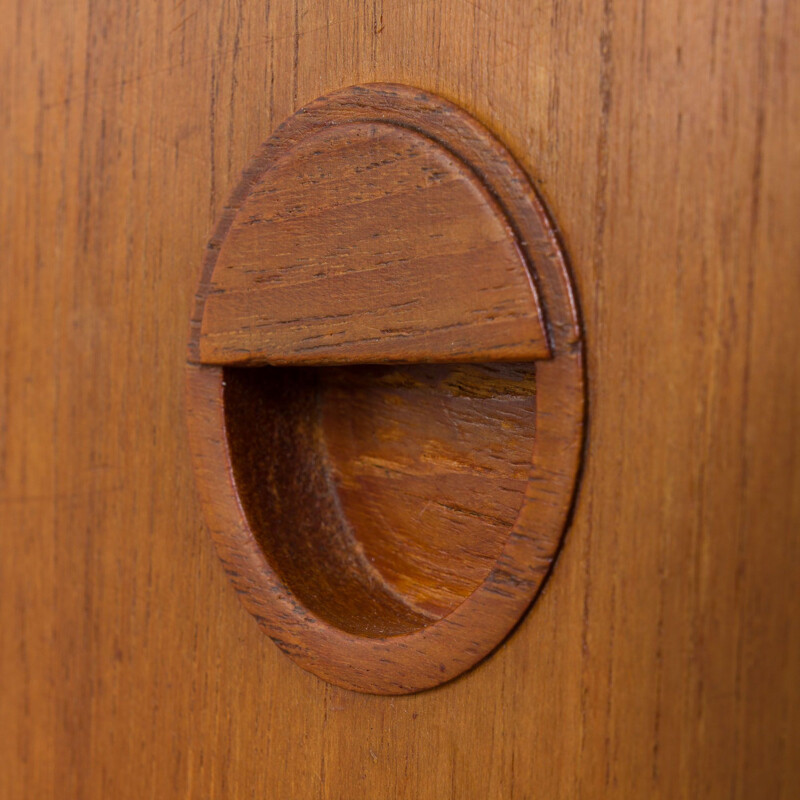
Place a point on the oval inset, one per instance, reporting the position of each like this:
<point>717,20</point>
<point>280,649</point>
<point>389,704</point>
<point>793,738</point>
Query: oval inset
<point>386,390</point>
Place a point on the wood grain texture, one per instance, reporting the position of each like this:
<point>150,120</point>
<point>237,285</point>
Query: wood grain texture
<point>318,484</point>
<point>662,658</point>
<point>357,235</point>
<point>452,496</point>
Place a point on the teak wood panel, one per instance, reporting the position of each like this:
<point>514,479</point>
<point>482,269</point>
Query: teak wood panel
<point>661,659</point>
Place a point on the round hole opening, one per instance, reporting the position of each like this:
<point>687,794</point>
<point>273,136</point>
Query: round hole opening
<point>381,495</point>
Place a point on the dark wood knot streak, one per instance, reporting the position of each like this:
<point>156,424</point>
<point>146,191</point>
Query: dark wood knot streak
<point>385,389</point>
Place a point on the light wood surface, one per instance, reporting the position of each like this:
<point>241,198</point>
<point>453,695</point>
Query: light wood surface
<point>662,659</point>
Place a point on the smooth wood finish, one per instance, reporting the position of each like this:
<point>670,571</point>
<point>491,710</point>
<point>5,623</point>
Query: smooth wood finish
<point>319,484</point>
<point>662,658</point>
<point>453,496</point>
<point>356,237</point>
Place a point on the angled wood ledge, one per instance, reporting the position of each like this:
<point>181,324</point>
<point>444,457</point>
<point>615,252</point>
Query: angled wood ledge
<point>366,242</point>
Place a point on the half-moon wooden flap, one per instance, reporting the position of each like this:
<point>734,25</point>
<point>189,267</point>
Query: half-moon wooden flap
<point>367,242</point>
<point>387,525</point>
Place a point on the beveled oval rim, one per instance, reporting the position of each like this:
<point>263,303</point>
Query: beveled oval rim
<point>448,647</point>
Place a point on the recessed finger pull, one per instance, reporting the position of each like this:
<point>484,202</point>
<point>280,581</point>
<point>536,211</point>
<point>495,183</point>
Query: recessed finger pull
<point>385,389</point>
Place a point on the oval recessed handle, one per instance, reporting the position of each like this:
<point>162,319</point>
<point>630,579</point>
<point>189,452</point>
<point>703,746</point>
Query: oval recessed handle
<point>389,517</point>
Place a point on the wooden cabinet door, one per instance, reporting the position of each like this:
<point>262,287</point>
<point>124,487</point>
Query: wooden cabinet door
<point>662,658</point>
